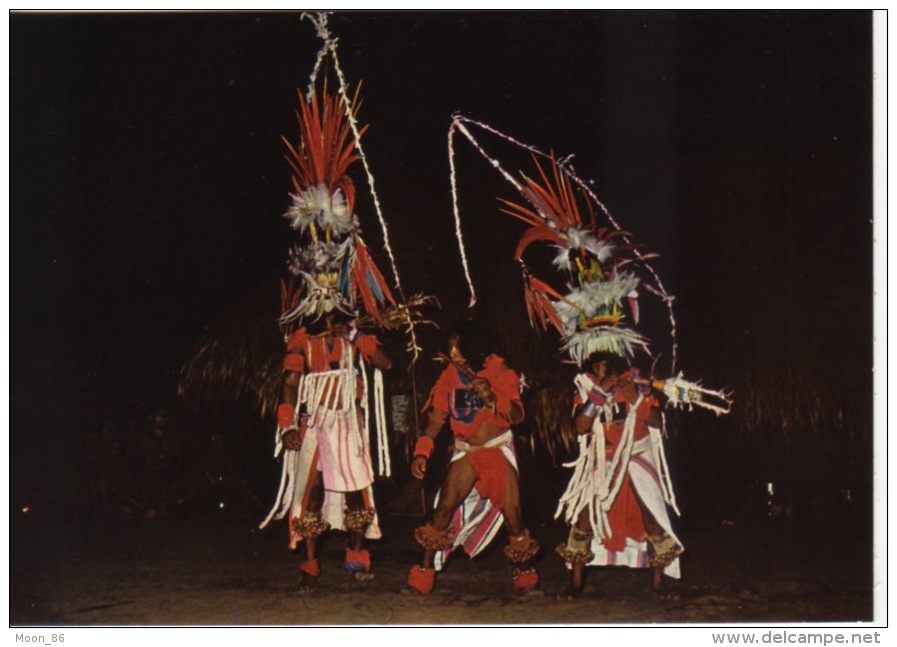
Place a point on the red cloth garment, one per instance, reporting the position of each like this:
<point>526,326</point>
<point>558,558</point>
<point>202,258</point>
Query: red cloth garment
<point>297,340</point>
<point>613,431</point>
<point>323,353</point>
<point>491,468</point>
<point>624,516</point>
<point>366,344</point>
<point>332,432</point>
<point>450,394</point>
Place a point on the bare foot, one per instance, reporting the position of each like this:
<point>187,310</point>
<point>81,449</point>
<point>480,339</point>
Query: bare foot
<point>531,593</point>
<point>362,576</point>
<point>664,593</point>
<point>569,594</point>
<point>308,584</point>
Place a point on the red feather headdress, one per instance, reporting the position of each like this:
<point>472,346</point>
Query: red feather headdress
<point>337,270</point>
<point>591,316</point>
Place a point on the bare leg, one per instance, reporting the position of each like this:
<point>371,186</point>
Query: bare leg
<point>578,570</point>
<point>314,505</point>
<point>511,510</point>
<point>359,562</point>
<point>355,501</point>
<point>521,547</point>
<point>654,529</point>
<point>458,483</point>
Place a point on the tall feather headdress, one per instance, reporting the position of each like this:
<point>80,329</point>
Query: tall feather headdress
<point>337,272</point>
<point>334,268</point>
<point>597,310</point>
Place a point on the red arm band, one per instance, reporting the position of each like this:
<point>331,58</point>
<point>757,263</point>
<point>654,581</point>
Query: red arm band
<point>297,340</point>
<point>286,416</point>
<point>424,446</point>
<point>294,363</point>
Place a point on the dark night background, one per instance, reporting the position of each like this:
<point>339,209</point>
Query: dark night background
<point>147,181</point>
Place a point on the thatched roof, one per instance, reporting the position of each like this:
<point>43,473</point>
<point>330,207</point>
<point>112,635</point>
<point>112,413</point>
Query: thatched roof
<point>239,358</point>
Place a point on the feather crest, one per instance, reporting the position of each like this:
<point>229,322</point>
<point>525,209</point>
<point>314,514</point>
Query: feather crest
<point>533,234</point>
<point>539,305</point>
<point>368,283</point>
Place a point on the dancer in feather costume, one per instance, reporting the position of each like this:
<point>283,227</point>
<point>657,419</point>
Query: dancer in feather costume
<point>324,419</point>
<point>617,499</point>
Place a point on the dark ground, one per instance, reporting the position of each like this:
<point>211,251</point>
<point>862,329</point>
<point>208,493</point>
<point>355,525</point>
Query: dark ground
<point>217,569</point>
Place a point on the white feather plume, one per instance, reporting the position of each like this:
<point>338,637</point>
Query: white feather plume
<point>610,339</point>
<point>317,302</point>
<point>576,239</point>
<point>587,300</point>
<point>316,205</point>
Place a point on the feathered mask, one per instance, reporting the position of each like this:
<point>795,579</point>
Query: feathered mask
<point>600,305</point>
<point>598,309</point>
<point>336,271</point>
